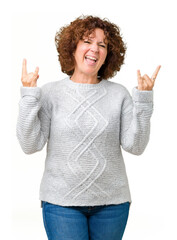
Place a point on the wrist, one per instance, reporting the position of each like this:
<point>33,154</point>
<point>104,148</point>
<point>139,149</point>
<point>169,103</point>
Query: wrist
<point>142,95</point>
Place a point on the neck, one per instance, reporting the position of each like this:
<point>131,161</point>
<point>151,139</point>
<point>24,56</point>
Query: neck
<point>82,78</point>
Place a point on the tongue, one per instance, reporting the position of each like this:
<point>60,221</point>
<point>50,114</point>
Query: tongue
<point>90,61</point>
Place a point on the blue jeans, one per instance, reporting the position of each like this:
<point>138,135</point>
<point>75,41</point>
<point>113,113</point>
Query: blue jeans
<point>106,222</point>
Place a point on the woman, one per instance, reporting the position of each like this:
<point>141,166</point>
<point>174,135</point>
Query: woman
<point>85,120</point>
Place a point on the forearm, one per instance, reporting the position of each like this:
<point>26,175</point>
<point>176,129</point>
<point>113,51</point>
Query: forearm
<point>32,123</point>
<point>135,129</point>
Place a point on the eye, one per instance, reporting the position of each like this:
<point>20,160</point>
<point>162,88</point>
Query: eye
<point>103,46</point>
<point>86,41</point>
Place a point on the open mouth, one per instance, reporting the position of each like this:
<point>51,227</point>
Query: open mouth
<point>91,58</point>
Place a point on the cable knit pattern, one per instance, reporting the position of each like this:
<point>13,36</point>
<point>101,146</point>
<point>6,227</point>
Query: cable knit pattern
<point>85,127</point>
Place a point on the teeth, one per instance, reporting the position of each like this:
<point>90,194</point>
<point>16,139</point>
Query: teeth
<point>91,58</point>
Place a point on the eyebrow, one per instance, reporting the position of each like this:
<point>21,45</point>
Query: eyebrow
<point>98,42</point>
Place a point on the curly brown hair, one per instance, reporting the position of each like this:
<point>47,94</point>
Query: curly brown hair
<point>67,38</point>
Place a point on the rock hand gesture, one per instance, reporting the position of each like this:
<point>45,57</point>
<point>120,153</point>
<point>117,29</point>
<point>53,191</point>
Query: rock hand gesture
<point>145,82</point>
<point>29,79</point>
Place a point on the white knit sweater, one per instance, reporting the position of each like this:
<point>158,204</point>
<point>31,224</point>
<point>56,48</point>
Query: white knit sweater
<point>85,126</point>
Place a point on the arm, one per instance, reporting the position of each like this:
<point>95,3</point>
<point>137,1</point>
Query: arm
<point>33,124</point>
<point>136,114</point>
<point>135,121</point>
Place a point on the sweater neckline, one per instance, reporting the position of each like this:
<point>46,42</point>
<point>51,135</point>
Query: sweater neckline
<point>71,83</point>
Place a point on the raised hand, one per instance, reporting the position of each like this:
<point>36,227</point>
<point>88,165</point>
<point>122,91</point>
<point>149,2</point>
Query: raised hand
<point>29,79</point>
<point>145,82</point>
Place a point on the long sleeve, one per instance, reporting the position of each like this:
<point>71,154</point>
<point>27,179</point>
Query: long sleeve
<point>33,123</point>
<point>86,126</point>
<point>135,121</point>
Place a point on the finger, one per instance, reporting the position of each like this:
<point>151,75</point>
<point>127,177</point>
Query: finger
<point>154,75</point>
<point>139,78</point>
<point>149,82</point>
<point>24,70</point>
<point>138,74</point>
<point>36,71</point>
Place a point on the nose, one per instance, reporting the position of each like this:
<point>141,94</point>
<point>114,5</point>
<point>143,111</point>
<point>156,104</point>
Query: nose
<point>94,48</point>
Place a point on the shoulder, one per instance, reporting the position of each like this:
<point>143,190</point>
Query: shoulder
<point>118,88</point>
<point>48,89</point>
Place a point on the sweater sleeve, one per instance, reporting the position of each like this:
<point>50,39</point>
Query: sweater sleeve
<point>33,123</point>
<point>135,121</point>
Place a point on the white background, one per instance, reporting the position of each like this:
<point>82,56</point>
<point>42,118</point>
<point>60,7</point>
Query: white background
<point>149,29</point>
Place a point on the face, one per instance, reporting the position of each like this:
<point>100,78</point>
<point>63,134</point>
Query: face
<point>91,53</point>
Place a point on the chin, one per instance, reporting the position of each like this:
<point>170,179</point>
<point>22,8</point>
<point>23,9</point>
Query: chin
<point>89,71</point>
